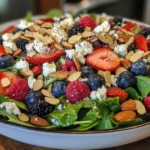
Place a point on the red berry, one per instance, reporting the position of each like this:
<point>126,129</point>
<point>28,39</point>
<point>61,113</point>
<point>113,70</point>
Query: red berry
<point>147,102</point>
<point>117,92</point>
<point>77,91</point>
<point>2,50</point>
<point>129,26</point>
<point>87,21</point>
<point>9,29</point>
<point>148,43</point>
<point>69,64</point>
<point>36,70</point>
<point>63,67</point>
<point>19,89</point>
<point>73,68</point>
<point>48,20</point>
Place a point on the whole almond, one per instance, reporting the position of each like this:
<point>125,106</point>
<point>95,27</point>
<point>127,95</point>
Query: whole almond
<point>23,117</point>
<point>126,115</point>
<point>38,121</point>
<point>128,105</point>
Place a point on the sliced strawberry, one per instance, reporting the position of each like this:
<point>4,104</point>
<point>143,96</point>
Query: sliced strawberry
<point>40,58</point>
<point>12,77</point>
<point>48,20</point>
<point>36,70</point>
<point>9,29</point>
<point>141,43</point>
<point>2,50</point>
<point>117,92</point>
<point>103,59</point>
<point>129,26</point>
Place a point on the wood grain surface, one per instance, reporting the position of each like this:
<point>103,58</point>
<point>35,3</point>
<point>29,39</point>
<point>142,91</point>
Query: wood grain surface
<point>9,144</point>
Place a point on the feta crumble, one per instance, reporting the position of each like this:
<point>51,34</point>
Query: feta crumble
<point>10,107</point>
<point>22,64</point>
<point>121,49</point>
<point>24,24</point>
<point>100,94</point>
<point>11,45</point>
<point>80,58</point>
<point>70,53</point>
<point>6,36</point>
<point>29,47</point>
<point>48,68</point>
<point>66,22</point>
<point>31,81</point>
<point>113,80</point>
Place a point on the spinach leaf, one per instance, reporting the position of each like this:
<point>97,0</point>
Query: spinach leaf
<point>132,94</point>
<point>65,117</point>
<point>12,69</point>
<point>28,16</point>
<point>143,85</point>
<point>54,13</point>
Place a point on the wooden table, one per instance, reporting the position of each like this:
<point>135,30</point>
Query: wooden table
<point>9,144</point>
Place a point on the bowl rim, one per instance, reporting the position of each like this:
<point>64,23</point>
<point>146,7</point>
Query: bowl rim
<point>57,131</point>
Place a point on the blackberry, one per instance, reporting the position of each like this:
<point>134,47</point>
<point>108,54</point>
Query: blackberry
<point>118,20</point>
<point>74,30</point>
<point>147,71</point>
<point>20,30</point>
<point>131,47</point>
<point>145,32</point>
<point>21,43</point>
<point>1,41</point>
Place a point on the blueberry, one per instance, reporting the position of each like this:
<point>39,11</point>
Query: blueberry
<point>59,88</point>
<point>6,61</point>
<point>138,68</point>
<point>145,32</point>
<point>36,104</point>
<point>118,20</point>
<point>95,81</point>
<point>87,70</point>
<point>126,79</point>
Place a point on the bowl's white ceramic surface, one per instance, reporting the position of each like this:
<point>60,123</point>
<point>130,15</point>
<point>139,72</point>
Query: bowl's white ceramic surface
<point>73,140</point>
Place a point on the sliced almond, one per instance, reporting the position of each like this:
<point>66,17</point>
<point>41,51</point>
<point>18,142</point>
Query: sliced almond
<point>40,77</point>
<point>34,28</point>
<point>42,31</point>
<point>8,50</point>
<point>52,101</point>
<point>114,44</point>
<point>28,34</point>
<point>15,36</point>
<point>17,52</point>
<point>102,38</point>
<point>47,93</point>
<point>87,29</point>
<point>26,72</point>
<point>120,70</point>
<point>37,36</point>
<point>67,45</point>
<point>77,64</point>
<point>31,54</point>
<point>74,39</point>
<point>25,38</point>
<point>131,39</point>
<point>38,22</point>
<point>49,88</point>
<point>38,84</point>
<point>74,76</point>
<point>100,72</point>
<point>87,34</point>
<point>47,40</point>
<point>140,108</point>
<point>46,25</point>
<point>5,82</point>
<point>98,20</point>
<point>107,77</point>
<point>58,47</point>
<point>125,63</point>
<point>49,31</point>
<point>109,39</point>
<point>129,55</point>
<point>59,74</point>
<point>136,56</point>
<point>23,117</point>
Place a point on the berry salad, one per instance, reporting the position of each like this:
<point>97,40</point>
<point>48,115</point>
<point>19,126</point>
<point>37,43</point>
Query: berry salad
<point>75,73</point>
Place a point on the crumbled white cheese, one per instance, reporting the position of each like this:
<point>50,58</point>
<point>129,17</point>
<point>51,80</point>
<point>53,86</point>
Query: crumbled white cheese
<point>22,64</point>
<point>70,53</point>
<point>113,80</point>
<point>31,81</point>
<point>100,94</point>
<point>39,46</point>
<point>48,68</point>
<point>24,24</point>
<point>6,36</point>
<point>10,107</point>
<point>11,45</point>
<point>83,79</point>
<point>104,27</point>
<point>66,22</point>
<point>29,47</point>
<point>121,49</point>
<point>54,121</point>
<point>84,48</point>
<point>80,58</point>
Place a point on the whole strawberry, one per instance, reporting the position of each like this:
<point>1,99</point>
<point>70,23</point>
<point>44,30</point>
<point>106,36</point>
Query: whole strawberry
<point>77,91</point>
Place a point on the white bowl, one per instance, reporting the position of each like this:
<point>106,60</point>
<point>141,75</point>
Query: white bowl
<point>73,140</point>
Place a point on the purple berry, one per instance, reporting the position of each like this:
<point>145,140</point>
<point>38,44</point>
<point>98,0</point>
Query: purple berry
<point>97,44</point>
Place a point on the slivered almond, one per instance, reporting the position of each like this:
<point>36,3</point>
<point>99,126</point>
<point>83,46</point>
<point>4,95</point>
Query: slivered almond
<point>126,115</point>
<point>47,93</point>
<point>120,70</point>
<point>107,77</point>
<point>26,72</point>
<point>136,56</point>
<point>128,105</point>
<point>28,34</point>
<point>38,121</point>
<point>31,54</point>
<point>23,117</point>
<point>125,63</point>
<point>17,52</point>
<point>15,36</point>
<point>58,47</point>
<point>74,76</point>
<point>87,34</point>
<point>38,22</point>
<point>87,29</point>
<point>46,25</point>
<point>8,50</point>
<point>59,74</point>
<point>140,108</point>
<point>52,101</point>
<point>38,84</point>
<point>47,40</point>
<point>129,55</point>
<point>74,38</point>
<point>5,82</point>
<point>67,45</point>
<point>77,64</point>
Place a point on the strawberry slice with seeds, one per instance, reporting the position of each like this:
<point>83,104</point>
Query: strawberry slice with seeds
<point>103,59</point>
<point>48,20</point>
<point>128,26</point>
<point>41,58</point>
<point>141,43</point>
<point>117,92</point>
<point>2,50</point>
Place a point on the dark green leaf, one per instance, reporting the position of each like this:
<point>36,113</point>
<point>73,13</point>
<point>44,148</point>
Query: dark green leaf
<point>54,13</point>
<point>12,69</point>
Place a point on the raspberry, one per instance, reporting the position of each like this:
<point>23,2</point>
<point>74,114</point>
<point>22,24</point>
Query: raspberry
<point>148,43</point>
<point>63,67</point>
<point>36,70</point>
<point>69,64</point>
<point>77,91</point>
<point>19,89</point>
<point>87,21</point>
<point>97,44</point>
